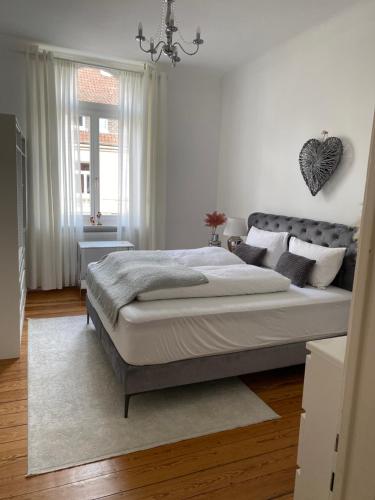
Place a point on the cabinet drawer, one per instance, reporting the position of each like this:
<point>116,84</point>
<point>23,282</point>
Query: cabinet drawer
<point>22,299</point>
<point>308,382</point>
<point>21,258</point>
<point>22,319</point>
<point>298,485</point>
<point>301,440</point>
<point>22,278</point>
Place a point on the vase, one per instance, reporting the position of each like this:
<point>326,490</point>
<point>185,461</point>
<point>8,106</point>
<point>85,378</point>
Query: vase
<point>214,240</point>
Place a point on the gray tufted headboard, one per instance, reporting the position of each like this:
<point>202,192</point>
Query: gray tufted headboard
<point>319,233</point>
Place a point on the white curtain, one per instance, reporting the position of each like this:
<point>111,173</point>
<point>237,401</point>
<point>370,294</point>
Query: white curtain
<point>54,199</point>
<point>66,76</point>
<point>142,159</point>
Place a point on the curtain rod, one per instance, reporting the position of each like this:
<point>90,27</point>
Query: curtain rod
<point>114,68</point>
<point>91,60</point>
<point>100,65</point>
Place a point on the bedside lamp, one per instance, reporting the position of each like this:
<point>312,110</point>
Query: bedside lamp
<point>234,228</point>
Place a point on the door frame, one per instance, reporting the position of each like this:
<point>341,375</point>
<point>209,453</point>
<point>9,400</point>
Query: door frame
<point>355,475</point>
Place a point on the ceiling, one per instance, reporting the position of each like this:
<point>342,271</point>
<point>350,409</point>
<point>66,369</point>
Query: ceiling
<point>234,30</point>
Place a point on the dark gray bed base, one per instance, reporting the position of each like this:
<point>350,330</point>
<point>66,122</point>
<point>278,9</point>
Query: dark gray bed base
<point>138,379</point>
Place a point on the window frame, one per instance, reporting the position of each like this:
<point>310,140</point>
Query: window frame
<point>95,111</point>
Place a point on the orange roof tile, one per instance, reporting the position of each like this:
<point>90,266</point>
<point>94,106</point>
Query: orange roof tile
<point>96,85</point>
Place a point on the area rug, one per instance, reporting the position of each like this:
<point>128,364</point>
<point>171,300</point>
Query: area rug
<point>76,403</point>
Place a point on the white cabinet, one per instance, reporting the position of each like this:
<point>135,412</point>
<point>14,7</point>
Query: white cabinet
<point>13,217</point>
<point>320,420</point>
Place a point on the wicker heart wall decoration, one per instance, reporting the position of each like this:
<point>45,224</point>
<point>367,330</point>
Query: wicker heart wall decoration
<point>318,160</point>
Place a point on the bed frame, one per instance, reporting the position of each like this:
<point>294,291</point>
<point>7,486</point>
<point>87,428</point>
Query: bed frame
<point>139,379</point>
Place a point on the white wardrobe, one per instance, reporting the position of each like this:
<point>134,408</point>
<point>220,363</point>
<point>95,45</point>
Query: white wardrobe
<point>13,222</point>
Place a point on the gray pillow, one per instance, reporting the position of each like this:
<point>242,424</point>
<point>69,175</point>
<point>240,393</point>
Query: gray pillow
<point>295,267</point>
<point>249,254</point>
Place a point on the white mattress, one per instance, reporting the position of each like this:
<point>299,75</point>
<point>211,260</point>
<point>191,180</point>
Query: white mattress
<point>162,331</point>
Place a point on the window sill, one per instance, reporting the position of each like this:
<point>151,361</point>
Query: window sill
<point>100,229</point>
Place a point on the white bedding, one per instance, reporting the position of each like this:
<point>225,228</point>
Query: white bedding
<point>162,331</point>
<point>237,279</point>
<point>205,256</point>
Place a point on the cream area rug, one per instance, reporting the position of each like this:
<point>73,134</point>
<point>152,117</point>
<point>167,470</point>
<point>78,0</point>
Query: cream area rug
<point>76,402</point>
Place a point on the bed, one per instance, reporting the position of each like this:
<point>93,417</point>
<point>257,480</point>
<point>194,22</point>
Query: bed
<point>166,343</point>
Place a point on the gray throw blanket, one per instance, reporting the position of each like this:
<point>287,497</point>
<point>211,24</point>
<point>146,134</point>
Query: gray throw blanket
<point>118,278</point>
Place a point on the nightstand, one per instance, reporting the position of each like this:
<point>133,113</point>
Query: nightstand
<point>92,251</point>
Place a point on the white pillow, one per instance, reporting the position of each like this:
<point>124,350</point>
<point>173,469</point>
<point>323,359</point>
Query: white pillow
<point>276,244</point>
<point>328,261</point>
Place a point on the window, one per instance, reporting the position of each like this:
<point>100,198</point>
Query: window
<point>98,92</point>
<point>83,123</point>
<point>103,126</point>
<point>108,166</point>
<point>84,136</point>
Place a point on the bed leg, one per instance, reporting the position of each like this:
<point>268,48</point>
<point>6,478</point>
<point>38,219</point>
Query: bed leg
<point>126,410</point>
<point>87,318</point>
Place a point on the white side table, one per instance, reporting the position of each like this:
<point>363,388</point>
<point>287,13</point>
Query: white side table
<point>92,251</point>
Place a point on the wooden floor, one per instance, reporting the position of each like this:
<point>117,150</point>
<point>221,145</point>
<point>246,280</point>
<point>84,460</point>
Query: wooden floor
<point>255,462</point>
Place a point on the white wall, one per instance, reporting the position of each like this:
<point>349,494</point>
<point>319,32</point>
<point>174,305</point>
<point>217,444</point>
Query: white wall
<point>322,79</point>
<point>194,101</point>
<point>12,79</point>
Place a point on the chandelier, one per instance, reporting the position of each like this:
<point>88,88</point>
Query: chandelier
<point>165,44</point>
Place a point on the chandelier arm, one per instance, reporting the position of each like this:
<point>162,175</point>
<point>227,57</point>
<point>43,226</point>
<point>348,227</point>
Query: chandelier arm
<point>155,60</point>
<point>149,51</point>
<point>185,51</point>
<point>144,50</point>
<point>158,44</point>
